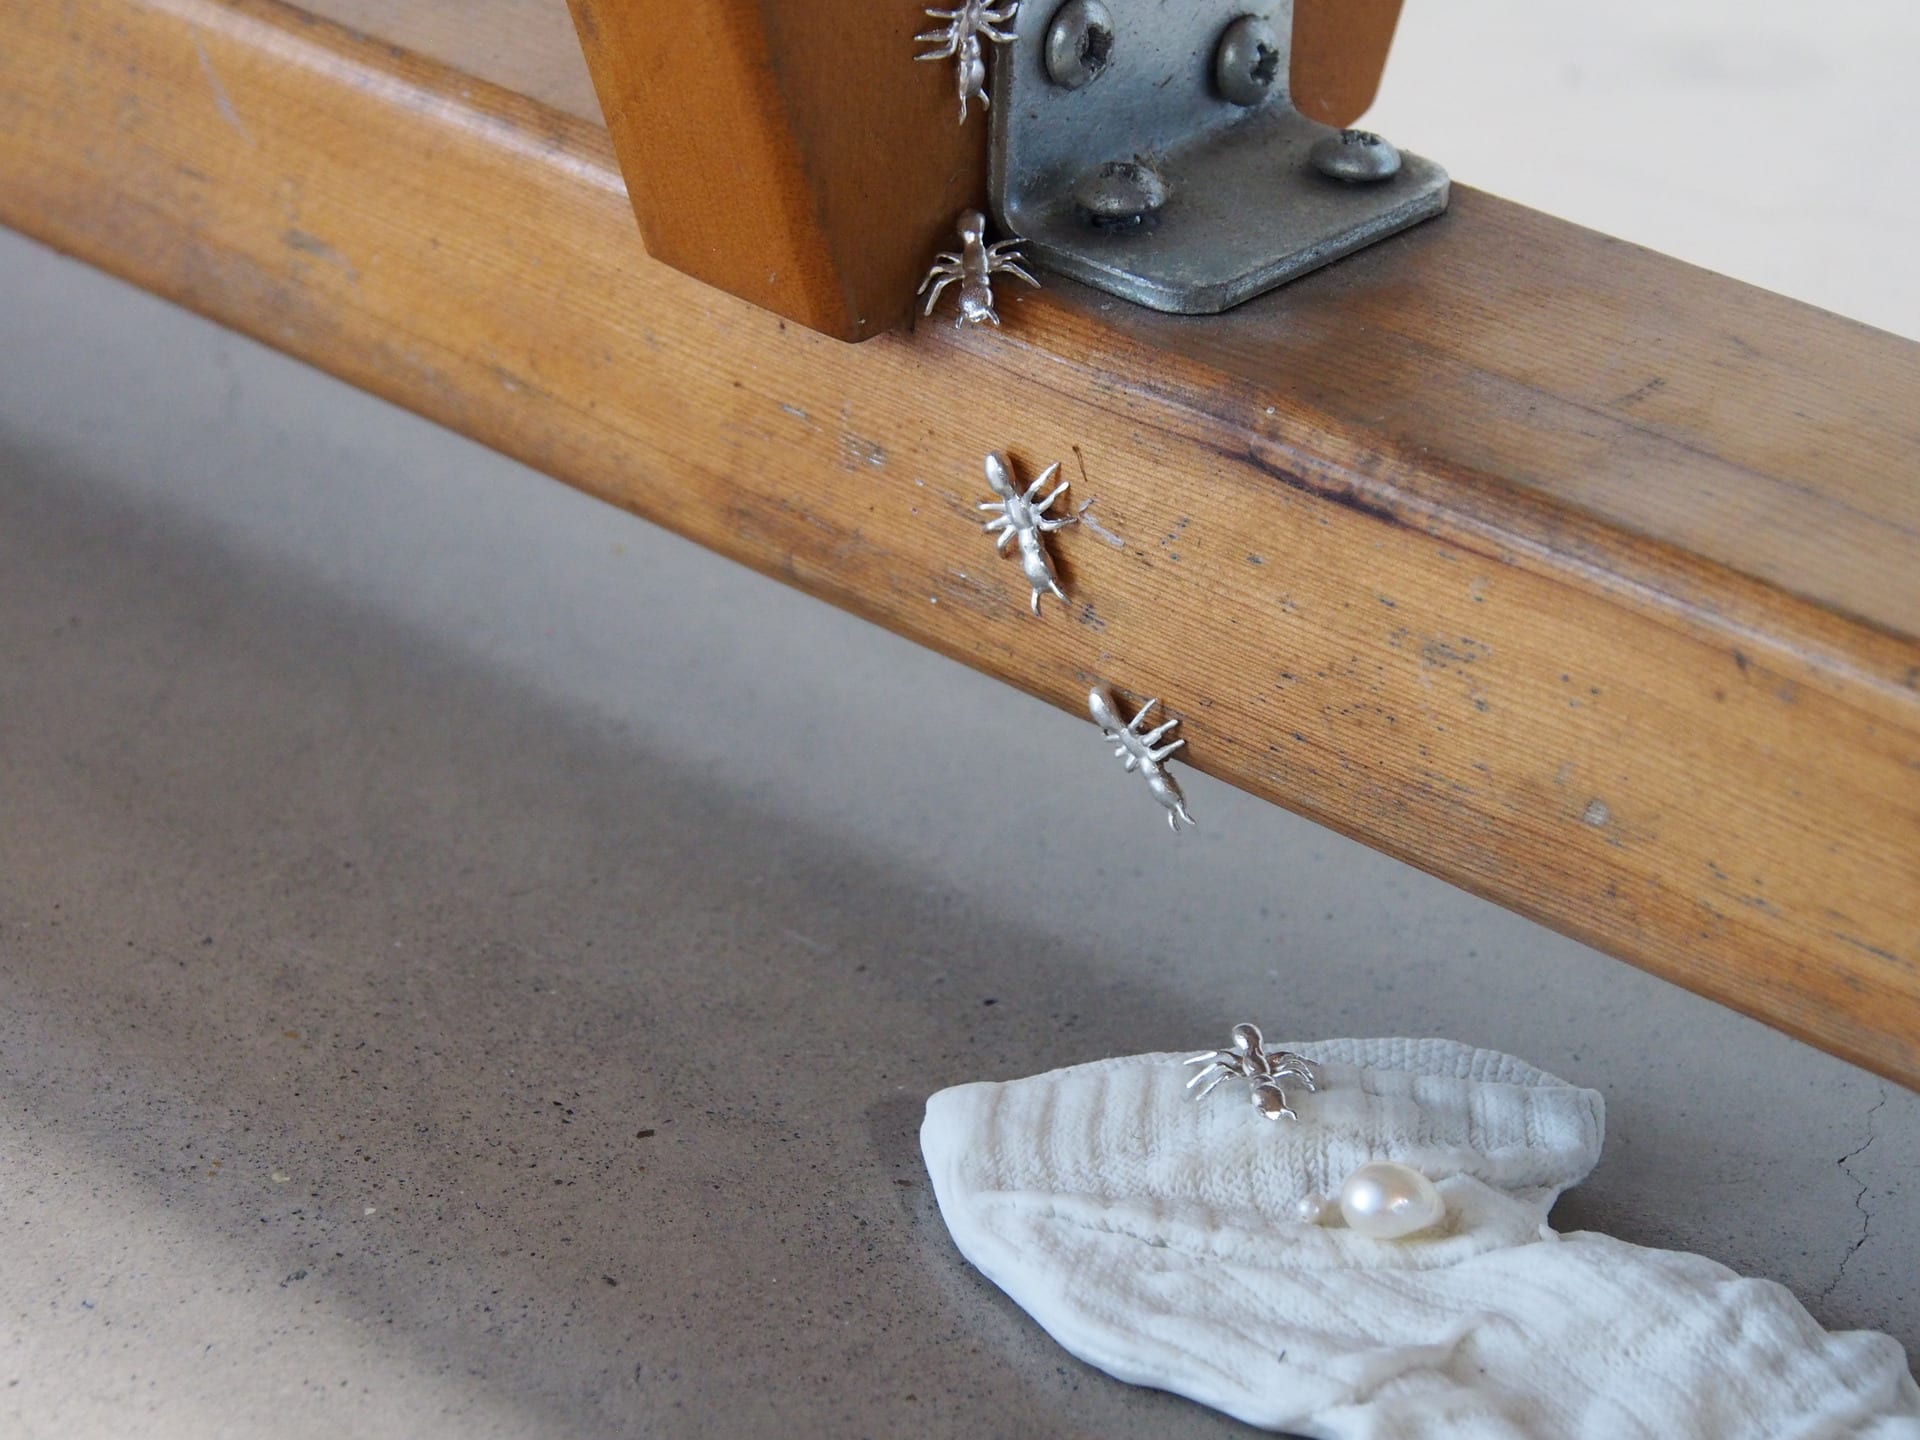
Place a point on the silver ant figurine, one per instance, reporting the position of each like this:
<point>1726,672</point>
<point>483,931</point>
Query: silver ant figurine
<point>959,39</point>
<point>1139,752</point>
<point>1024,518</point>
<point>974,267</point>
<point>1249,1059</point>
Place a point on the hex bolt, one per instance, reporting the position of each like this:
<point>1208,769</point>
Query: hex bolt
<point>1358,157</point>
<point>1121,195</point>
<point>1246,66</point>
<point>1079,43</point>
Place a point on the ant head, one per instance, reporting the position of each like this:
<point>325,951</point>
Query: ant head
<point>1000,477</point>
<point>973,227</point>
<point>1100,706</point>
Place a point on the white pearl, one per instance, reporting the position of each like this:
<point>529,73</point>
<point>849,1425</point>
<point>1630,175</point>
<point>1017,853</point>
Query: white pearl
<point>1311,1209</point>
<point>1389,1201</point>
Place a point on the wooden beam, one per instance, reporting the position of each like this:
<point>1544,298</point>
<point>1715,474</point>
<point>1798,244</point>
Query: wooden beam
<point>1583,578</point>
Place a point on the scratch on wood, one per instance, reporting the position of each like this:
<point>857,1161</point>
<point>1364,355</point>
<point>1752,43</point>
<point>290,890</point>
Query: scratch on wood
<point>1652,387</point>
<point>1083,513</point>
<point>220,100</point>
<point>1346,497</point>
<point>1874,950</point>
<point>308,244</point>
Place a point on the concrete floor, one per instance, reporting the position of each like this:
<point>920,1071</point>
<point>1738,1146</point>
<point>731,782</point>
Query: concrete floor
<point>472,964</point>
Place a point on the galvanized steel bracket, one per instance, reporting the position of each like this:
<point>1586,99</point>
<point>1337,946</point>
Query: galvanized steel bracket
<point>1150,148</point>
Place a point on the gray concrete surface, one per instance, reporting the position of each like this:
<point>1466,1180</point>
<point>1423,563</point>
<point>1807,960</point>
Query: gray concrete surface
<point>471,964</point>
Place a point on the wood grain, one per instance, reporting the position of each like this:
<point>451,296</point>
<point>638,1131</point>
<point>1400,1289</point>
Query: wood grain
<point>1582,578</point>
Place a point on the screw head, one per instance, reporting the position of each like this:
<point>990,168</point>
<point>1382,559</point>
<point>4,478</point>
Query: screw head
<point>1246,66</point>
<point>1121,195</point>
<point>1358,157</point>
<point>1079,43</point>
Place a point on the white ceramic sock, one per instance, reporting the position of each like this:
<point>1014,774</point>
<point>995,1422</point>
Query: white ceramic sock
<point>1156,1237</point>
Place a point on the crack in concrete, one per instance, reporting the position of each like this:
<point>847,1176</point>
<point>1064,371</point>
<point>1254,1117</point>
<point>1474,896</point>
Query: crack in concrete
<point>1859,1199</point>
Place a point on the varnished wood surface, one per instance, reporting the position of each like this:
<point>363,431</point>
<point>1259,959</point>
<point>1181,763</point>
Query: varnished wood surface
<point>1557,368</point>
<point>790,152</point>
<point>1503,547</point>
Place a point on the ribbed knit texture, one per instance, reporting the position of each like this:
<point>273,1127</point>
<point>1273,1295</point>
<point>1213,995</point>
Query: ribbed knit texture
<point>1155,1237</point>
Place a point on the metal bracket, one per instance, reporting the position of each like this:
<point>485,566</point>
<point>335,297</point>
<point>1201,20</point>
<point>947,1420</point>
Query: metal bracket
<point>1150,149</point>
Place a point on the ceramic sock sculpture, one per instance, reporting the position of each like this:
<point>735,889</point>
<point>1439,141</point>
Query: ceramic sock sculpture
<point>1165,1242</point>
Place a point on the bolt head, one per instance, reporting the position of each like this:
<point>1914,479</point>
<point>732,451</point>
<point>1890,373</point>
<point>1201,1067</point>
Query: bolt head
<point>1358,157</point>
<point>1079,43</point>
<point>1248,62</point>
<point>1121,195</point>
